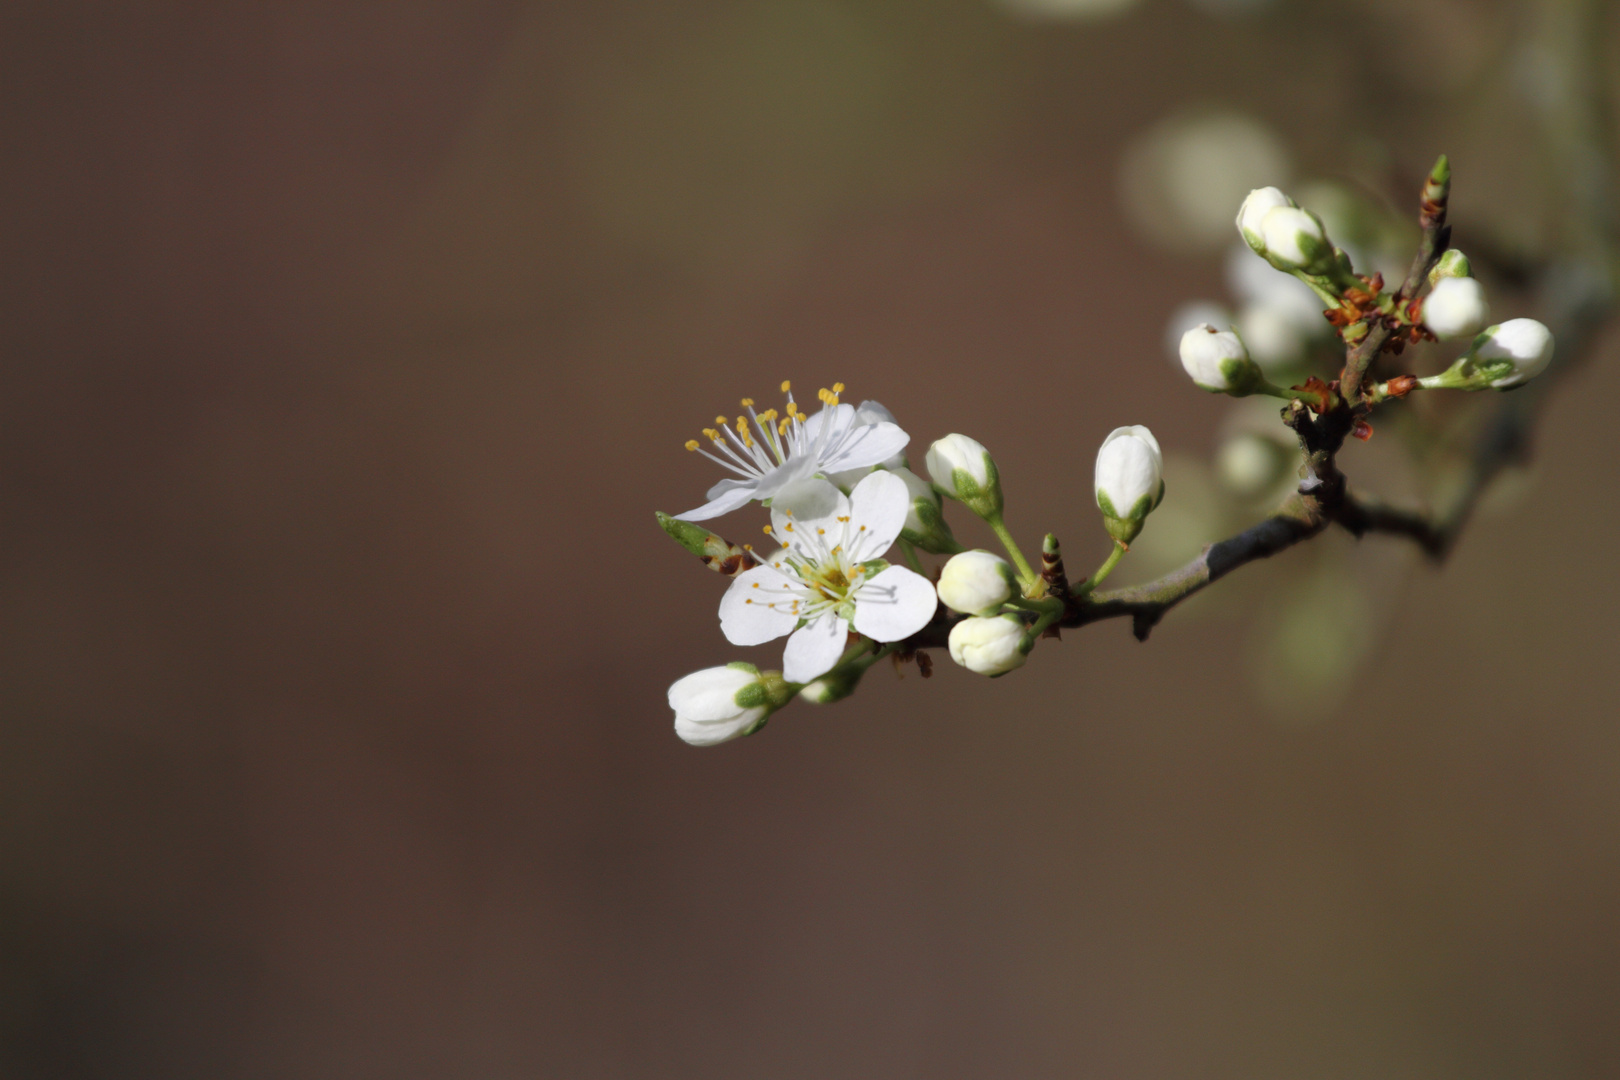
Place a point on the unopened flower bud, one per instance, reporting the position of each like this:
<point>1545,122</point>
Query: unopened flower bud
<point>1259,202</point>
<point>1129,480</point>
<point>977,582</point>
<point>1503,357</point>
<point>1295,241</point>
<point>1455,307</point>
<point>1452,264</point>
<point>989,646</point>
<point>963,469</point>
<point>718,704</point>
<point>1524,345</point>
<point>1218,362</point>
<point>925,526</point>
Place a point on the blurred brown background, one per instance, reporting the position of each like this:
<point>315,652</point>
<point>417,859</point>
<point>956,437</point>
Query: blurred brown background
<point>349,349</point>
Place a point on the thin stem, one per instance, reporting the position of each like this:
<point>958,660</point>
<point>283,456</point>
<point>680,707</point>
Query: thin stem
<point>1104,570</point>
<point>1025,574</point>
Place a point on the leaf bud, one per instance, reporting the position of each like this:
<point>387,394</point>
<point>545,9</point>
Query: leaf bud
<point>1453,264</point>
<point>989,646</point>
<point>719,704</point>
<point>1129,480</point>
<point>962,468</point>
<point>1218,361</point>
<point>977,583</point>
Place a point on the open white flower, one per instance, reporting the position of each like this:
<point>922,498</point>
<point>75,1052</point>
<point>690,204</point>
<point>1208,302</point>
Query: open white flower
<point>768,452</point>
<point>828,576</point>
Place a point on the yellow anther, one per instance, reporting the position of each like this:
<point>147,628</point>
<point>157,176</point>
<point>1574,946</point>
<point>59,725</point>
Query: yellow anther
<point>767,416</point>
<point>721,421</point>
<point>748,403</point>
<point>781,429</point>
<point>691,444</point>
<point>786,386</point>
<point>711,434</point>
<point>821,532</point>
<point>767,530</point>
<point>844,518</point>
<point>838,388</point>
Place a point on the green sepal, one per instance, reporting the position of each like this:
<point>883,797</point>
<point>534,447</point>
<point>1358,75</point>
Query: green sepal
<point>689,535</point>
<point>983,499</point>
<point>936,537</point>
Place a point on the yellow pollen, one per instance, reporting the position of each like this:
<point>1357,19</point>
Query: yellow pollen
<point>756,584</point>
<point>781,429</point>
<point>786,386</point>
<point>844,518</point>
<point>691,444</point>
<point>721,421</point>
<point>742,430</point>
<point>767,530</point>
<point>838,388</point>
<point>748,601</point>
<point>748,403</point>
<point>821,532</point>
<point>863,528</point>
<point>768,415</point>
<point>714,436</point>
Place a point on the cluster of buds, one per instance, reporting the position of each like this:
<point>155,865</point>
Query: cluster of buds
<point>840,493</point>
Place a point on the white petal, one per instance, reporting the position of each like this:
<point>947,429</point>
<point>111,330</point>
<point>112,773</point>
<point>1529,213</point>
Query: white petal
<point>839,416</point>
<point>746,617</point>
<point>814,648</point>
<point>880,504</point>
<point>895,604</point>
<point>790,472</point>
<point>813,502</point>
<point>724,497</point>
<point>868,444</point>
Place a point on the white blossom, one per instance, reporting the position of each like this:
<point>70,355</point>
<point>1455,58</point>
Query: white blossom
<point>828,576</point>
<point>768,452</point>
<point>1256,205</point>
<point>1524,343</point>
<point>1130,474</point>
<point>1455,307</point>
<point>1294,240</point>
<point>988,646</point>
<point>1217,361</point>
<point>707,710</point>
<point>976,582</point>
<point>963,469</point>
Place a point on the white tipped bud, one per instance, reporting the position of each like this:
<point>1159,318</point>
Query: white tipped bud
<point>1524,344</point>
<point>1259,202</point>
<point>1218,362</point>
<point>963,469</point>
<point>1455,307</point>
<point>1452,264</point>
<point>718,704</point>
<point>976,583</point>
<point>1503,357</point>
<point>989,646</point>
<point>1295,241</point>
<point>1129,480</point>
<point>925,525</point>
